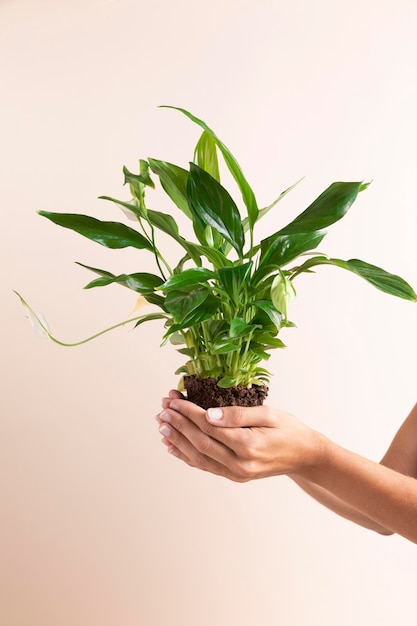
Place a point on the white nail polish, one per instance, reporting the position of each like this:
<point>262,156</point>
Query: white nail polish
<point>215,414</point>
<point>165,430</point>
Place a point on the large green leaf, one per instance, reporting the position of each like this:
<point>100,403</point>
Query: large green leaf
<point>199,314</point>
<point>180,304</point>
<point>234,167</point>
<point>381,279</point>
<point>174,182</point>
<point>108,234</point>
<point>188,278</point>
<point>278,249</point>
<point>141,282</point>
<point>328,208</point>
<point>212,205</point>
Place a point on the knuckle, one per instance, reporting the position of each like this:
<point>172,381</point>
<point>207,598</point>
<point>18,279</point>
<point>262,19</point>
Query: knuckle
<point>202,445</point>
<point>245,470</point>
<point>236,416</point>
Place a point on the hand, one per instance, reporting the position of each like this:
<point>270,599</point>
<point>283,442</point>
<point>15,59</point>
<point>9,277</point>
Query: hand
<point>236,442</point>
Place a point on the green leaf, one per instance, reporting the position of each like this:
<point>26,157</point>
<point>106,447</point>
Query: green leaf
<point>278,249</point>
<point>96,270</point>
<point>239,328</point>
<point>212,205</point>
<point>197,315</point>
<point>233,166</point>
<point>174,182</point>
<point>267,307</point>
<point>328,208</point>
<point>268,340</point>
<point>180,304</point>
<point>217,258</point>
<point>232,278</point>
<point>168,225</point>
<point>226,382</point>
<point>137,181</point>
<point>205,155</point>
<point>266,209</point>
<point>164,222</point>
<point>378,277</point>
<point>133,208</point>
<point>109,234</point>
<point>188,278</point>
<point>225,347</point>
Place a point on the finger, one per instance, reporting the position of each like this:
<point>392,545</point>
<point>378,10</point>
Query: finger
<point>193,439</point>
<point>173,394</point>
<point>213,469</point>
<point>232,438</point>
<point>239,417</point>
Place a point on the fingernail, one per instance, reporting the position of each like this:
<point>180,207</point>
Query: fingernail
<point>165,417</point>
<point>172,450</point>
<point>174,406</point>
<point>215,414</point>
<point>165,430</point>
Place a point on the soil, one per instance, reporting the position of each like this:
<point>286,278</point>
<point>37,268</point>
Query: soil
<point>206,393</point>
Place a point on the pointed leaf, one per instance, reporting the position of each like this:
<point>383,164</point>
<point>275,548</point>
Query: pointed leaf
<point>188,278</point>
<point>180,304</point>
<point>278,249</point>
<point>234,167</point>
<point>132,209</point>
<point>328,208</point>
<point>174,182</point>
<point>168,225</point>
<point>212,205</point>
<point>380,278</point>
<point>266,209</point>
<point>109,234</point>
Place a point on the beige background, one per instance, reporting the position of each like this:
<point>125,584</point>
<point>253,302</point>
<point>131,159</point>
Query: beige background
<point>99,526</point>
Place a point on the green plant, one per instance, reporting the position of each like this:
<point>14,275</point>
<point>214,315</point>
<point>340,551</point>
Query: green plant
<point>227,297</point>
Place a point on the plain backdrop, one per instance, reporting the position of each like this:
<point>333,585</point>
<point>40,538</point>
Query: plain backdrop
<point>99,526</point>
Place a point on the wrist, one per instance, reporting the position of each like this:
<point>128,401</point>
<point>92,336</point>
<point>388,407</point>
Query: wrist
<point>317,456</point>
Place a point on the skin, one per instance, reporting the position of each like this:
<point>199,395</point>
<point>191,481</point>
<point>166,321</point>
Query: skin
<point>244,444</point>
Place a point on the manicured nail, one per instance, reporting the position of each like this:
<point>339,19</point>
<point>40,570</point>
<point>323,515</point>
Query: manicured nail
<point>173,450</point>
<point>173,405</point>
<point>165,430</point>
<point>215,414</point>
<point>165,417</point>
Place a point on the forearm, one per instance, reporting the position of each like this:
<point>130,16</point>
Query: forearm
<point>377,493</point>
<point>338,506</point>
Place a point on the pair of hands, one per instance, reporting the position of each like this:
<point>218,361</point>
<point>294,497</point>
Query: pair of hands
<point>236,442</point>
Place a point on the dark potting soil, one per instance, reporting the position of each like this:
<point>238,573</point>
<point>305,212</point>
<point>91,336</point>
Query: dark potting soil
<point>206,393</point>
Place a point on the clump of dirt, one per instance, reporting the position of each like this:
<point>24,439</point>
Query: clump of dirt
<point>206,393</point>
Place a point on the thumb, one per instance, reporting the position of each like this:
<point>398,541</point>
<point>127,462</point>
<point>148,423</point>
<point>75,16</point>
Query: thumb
<point>240,416</point>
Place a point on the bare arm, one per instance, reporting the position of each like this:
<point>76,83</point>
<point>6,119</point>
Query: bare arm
<point>401,457</point>
<point>382,497</point>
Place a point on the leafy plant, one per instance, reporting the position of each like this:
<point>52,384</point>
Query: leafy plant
<point>227,298</point>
